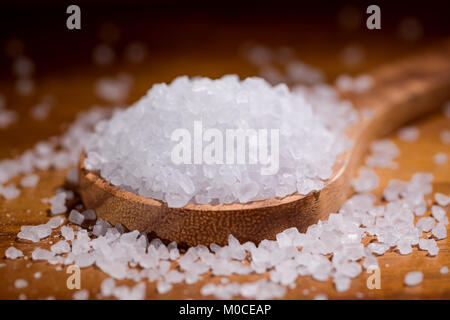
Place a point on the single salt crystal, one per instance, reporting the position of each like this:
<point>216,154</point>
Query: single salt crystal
<point>24,86</point>
<point>409,134</point>
<point>60,247</point>
<point>55,222</point>
<point>81,295</point>
<point>404,246</point>
<point>444,270</point>
<point>321,296</point>
<point>382,154</point>
<point>76,217</point>
<point>447,109</point>
<point>429,245</point>
<point>163,287</point>
<point>440,158</point>
<point>89,214</point>
<point>352,55</point>
<point>362,83</point>
<point>342,283</point>
<point>37,275</point>
<point>445,136</point>
<point>115,89</point>
<point>366,181</point>
<point>42,254</point>
<point>442,199</point>
<point>72,176</point>
<point>30,180</point>
<point>136,52</point>
<point>413,278</point>
<point>13,253</point>
<point>101,227</point>
<point>7,117</point>
<point>58,203</point>
<point>439,231</point>
<point>425,224</point>
<point>9,192</point>
<point>103,55</point>
<point>20,283</point>
<point>67,233</point>
<point>41,110</point>
<point>438,213</point>
<point>23,66</point>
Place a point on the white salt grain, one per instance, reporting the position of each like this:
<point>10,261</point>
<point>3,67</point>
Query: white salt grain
<point>37,275</point>
<point>408,134</point>
<point>30,180</point>
<point>445,136</point>
<point>81,295</point>
<point>20,283</point>
<point>67,233</point>
<point>13,253</point>
<point>413,278</point>
<point>366,181</point>
<point>442,199</point>
<point>444,270</point>
<point>76,217</point>
<point>440,158</point>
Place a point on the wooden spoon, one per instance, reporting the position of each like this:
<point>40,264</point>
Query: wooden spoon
<point>402,91</point>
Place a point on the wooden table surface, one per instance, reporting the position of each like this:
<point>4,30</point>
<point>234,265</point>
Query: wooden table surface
<point>73,92</point>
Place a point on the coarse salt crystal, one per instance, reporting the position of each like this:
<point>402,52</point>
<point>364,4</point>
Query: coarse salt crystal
<point>13,253</point>
<point>440,158</point>
<point>20,283</point>
<point>413,278</point>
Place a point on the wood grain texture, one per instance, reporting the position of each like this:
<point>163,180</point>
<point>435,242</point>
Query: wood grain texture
<point>75,93</point>
<point>410,88</point>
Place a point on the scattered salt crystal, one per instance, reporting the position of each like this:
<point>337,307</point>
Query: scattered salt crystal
<point>366,181</point>
<point>440,158</point>
<point>30,180</point>
<point>55,222</point>
<point>115,89</point>
<point>13,253</point>
<point>60,247</point>
<point>42,254</point>
<point>442,199</point>
<point>67,233</point>
<point>41,111</point>
<point>425,224</point>
<point>20,283</point>
<point>382,154</point>
<point>58,203</point>
<point>72,176</point>
<point>103,55</point>
<point>76,217</point>
<point>445,136</point>
<point>410,29</point>
<point>7,117</point>
<point>81,295</point>
<point>89,215</point>
<point>438,213</point>
<point>24,86</point>
<point>444,270</point>
<point>321,296</point>
<point>9,192</point>
<point>409,134</point>
<point>37,275</point>
<point>352,55</point>
<point>439,231</point>
<point>136,52</point>
<point>413,278</point>
<point>447,109</point>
